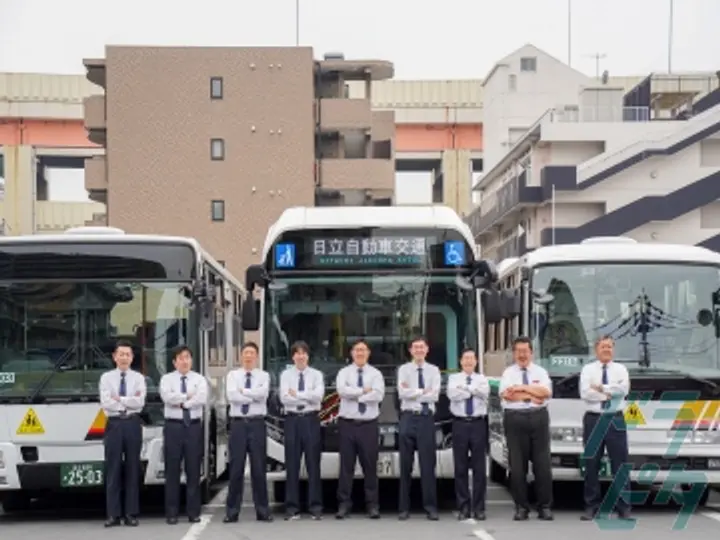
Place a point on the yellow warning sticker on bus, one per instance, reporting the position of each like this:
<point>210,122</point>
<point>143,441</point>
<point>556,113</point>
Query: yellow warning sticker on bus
<point>634,416</point>
<point>31,424</point>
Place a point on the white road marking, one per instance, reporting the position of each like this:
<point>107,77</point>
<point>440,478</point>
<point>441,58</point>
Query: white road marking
<point>196,529</point>
<point>482,534</point>
<point>711,515</point>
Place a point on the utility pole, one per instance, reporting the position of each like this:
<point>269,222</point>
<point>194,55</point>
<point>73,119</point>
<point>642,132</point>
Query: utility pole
<point>670,35</point>
<point>597,57</point>
<point>297,23</point>
<point>569,32</point>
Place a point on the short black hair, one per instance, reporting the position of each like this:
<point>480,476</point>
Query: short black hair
<point>177,351</point>
<point>467,350</point>
<point>299,346</point>
<point>122,343</point>
<point>359,341</point>
<point>521,340</point>
<point>251,345</point>
<point>417,338</point>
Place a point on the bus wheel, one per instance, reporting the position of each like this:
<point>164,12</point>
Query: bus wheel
<point>498,474</point>
<point>15,502</point>
<point>279,492</point>
<point>206,487</point>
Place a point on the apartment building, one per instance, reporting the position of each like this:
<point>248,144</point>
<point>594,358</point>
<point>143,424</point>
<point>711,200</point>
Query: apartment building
<point>215,143</point>
<point>606,157</point>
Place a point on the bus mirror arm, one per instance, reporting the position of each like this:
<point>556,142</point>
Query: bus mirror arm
<point>483,274</point>
<point>204,300</point>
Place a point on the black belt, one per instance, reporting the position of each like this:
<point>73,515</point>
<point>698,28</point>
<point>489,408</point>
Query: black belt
<point>246,418</point>
<point>358,421</point>
<point>124,416</point>
<point>429,414</point>
<point>178,421</point>
<point>302,413</point>
<point>469,418</point>
<point>529,410</point>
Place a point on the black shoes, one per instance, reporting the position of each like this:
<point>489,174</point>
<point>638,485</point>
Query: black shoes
<point>128,521</point>
<point>521,514</point>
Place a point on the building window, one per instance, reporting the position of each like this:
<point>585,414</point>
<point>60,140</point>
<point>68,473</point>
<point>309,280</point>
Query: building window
<point>512,82</point>
<point>217,149</point>
<point>529,63</point>
<point>217,210</point>
<point>216,87</point>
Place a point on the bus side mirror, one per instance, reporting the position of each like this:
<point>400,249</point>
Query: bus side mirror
<point>255,275</point>
<point>512,302</point>
<point>207,314</point>
<point>492,306</point>
<point>250,313</point>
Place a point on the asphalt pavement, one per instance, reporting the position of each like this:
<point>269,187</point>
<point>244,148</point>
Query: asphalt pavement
<point>68,520</point>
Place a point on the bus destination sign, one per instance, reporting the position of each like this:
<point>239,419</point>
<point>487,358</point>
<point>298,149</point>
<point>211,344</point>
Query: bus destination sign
<point>386,251</point>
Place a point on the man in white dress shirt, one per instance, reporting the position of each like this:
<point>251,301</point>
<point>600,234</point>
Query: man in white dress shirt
<point>468,393</point>
<point>604,385</point>
<point>361,388</point>
<point>525,389</point>
<point>122,398</point>
<point>185,394</point>
<point>419,390</point>
<point>247,391</point>
<point>302,390</point>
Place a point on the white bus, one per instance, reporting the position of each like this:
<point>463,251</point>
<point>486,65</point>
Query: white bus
<point>661,305</point>
<point>331,275</point>
<point>64,301</point>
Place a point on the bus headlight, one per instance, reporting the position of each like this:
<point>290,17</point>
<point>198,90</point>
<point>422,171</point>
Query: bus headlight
<point>573,435</point>
<point>704,437</point>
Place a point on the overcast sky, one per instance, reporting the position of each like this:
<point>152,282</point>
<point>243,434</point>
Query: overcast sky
<point>425,39</point>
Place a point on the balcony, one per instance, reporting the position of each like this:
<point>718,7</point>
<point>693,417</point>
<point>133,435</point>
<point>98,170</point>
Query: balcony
<point>573,114</point>
<point>502,203</point>
<point>95,120</point>
<point>96,174</point>
<point>96,71</point>
<point>335,115</point>
<point>345,174</point>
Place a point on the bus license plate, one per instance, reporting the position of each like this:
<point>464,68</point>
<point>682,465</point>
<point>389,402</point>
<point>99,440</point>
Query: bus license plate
<point>81,474</point>
<point>605,469</point>
<point>385,465</point>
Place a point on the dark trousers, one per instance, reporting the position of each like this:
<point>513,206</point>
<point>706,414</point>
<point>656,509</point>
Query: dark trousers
<point>601,431</point>
<point>248,437</point>
<point>417,433</point>
<point>183,445</point>
<point>469,436</point>
<point>123,444</point>
<point>303,438</point>
<point>527,432</point>
<point>359,440</point>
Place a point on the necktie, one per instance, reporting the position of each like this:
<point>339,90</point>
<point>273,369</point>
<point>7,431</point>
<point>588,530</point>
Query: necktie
<point>183,390</point>
<point>526,381</point>
<point>123,385</point>
<point>469,408</point>
<point>248,384</point>
<point>421,385</point>
<point>606,403</point>
<point>301,388</point>
<point>362,407</point>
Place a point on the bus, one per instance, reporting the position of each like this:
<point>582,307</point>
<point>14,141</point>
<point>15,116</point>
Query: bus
<point>65,300</point>
<point>332,275</point>
<point>661,305</point>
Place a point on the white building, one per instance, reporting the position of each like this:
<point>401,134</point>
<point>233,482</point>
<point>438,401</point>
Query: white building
<point>615,162</point>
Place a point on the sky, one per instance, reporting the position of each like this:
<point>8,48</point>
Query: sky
<point>448,39</point>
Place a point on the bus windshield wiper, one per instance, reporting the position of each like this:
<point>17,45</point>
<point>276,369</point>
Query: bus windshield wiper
<point>57,367</point>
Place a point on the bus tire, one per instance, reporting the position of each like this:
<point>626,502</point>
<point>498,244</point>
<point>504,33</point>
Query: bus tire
<point>279,492</point>
<point>498,474</point>
<point>206,486</point>
<point>704,497</point>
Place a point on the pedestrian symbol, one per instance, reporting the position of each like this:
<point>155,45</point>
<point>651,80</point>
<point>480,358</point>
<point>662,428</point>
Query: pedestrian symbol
<point>634,416</point>
<point>31,424</point>
<point>285,256</point>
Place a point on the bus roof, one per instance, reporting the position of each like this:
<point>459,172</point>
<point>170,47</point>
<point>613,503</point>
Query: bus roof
<point>351,217</point>
<point>100,235</point>
<point>619,252</point>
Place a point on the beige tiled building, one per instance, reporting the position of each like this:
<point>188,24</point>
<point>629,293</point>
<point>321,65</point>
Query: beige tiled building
<point>215,143</point>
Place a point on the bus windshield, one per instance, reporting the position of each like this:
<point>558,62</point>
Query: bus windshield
<point>58,338</point>
<point>656,313</point>
<point>330,312</point>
